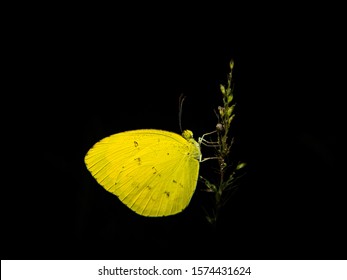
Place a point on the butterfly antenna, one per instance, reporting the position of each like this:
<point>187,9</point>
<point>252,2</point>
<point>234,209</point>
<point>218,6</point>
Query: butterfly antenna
<point>180,109</point>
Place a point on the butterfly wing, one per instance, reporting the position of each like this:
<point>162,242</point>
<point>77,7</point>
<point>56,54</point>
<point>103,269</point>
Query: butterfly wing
<point>153,172</point>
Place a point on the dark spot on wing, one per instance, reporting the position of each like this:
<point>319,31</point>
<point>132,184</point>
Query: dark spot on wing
<point>167,193</point>
<point>136,144</point>
<point>174,181</point>
<point>138,160</point>
<point>155,171</point>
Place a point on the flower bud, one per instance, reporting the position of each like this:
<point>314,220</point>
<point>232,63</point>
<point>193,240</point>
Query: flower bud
<point>231,64</point>
<point>219,127</point>
<point>222,89</point>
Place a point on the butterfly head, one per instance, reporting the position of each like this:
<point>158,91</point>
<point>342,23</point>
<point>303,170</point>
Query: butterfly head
<point>188,135</point>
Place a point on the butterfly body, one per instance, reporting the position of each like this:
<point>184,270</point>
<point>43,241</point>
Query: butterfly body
<point>153,172</point>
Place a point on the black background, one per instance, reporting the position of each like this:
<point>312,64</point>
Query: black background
<point>78,79</point>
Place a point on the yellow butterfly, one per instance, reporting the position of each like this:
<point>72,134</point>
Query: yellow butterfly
<point>153,172</point>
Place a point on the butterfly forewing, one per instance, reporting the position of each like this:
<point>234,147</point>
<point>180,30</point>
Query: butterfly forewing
<point>153,172</point>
